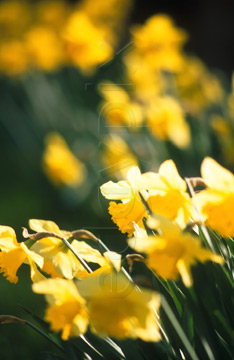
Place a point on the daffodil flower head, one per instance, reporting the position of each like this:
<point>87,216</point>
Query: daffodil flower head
<point>131,207</point>
<point>132,312</point>
<point>67,311</point>
<point>44,48</point>
<point>117,157</point>
<point>58,258</point>
<point>60,164</point>
<point>14,254</point>
<point>172,252</point>
<point>160,42</point>
<point>166,120</point>
<point>167,193</point>
<point>118,108</point>
<point>216,202</point>
<point>86,44</point>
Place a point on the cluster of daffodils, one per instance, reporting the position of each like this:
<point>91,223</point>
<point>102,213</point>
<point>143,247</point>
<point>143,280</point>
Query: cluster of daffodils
<point>162,91</point>
<point>157,209</point>
<point>87,289</point>
<point>162,84</point>
<point>79,297</point>
<point>164,97</point>
<point>48,34</point>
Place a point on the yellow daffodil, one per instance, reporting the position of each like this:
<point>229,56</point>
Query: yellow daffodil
<point>166,120</point>
<point>197,87</point>
<point>52,13</point>
<point>216,202</point>
<point>119,109</point>
<point>147,82</point>
<point>44,48</point>
<point>132,311</point>
<point>173,252</point>
<point>167,193</point>
<point>14,17</point>
<point>160,42</point>
<point>224,133</point>
<point>14,57</point>
<point>14,254</point>
<point>109,15</point>
<point>117,157</point>
<point>59,163</point>
<point>67,311</point>
<point>86,46</point>
<point>130,208</point>
<point>58,258</point>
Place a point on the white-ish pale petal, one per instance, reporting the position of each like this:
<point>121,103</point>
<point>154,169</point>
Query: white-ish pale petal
<point>116,191</point>
<point>133,176</point>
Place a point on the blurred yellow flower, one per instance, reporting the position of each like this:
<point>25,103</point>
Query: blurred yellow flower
<point>58,258</point>
<point>223,129</point>
<point>86,45</point>
<point>166,120</point>
<point>109,15</point>
<point>173,252</point>
<point>160,42</point>
<point>44,48</point>
<point>52,13</point>
<point>167,193</point>
<point>59,163</point>
<point>216,203</point>
<point>221,126</point>
<point>147,82</point>
<point>14,59</point>
<point>14,254</point>
<point>67,311</point>
<point>14,17</point>
<point>117,157</point>
<point>197,87</point>
<point>117,309</point>
<point>118,108</point>
<point>131,208</point>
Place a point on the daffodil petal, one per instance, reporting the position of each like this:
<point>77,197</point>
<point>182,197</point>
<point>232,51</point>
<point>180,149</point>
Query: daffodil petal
<point>60,289</point>
<point>216,176</point>
<point>88,253</point>
<point>36,275</point>
<point>185,272</point>
<point>43,225</point>
<point>114,259</point>
<point>8,239</point>
<point>152,181</point>
<point>170,174</point>
<point>116,191</point>
<point>133,175</point>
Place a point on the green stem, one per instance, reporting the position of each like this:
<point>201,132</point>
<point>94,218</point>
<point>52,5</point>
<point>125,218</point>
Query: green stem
<point>178,328</point>
<point>39,331</point>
